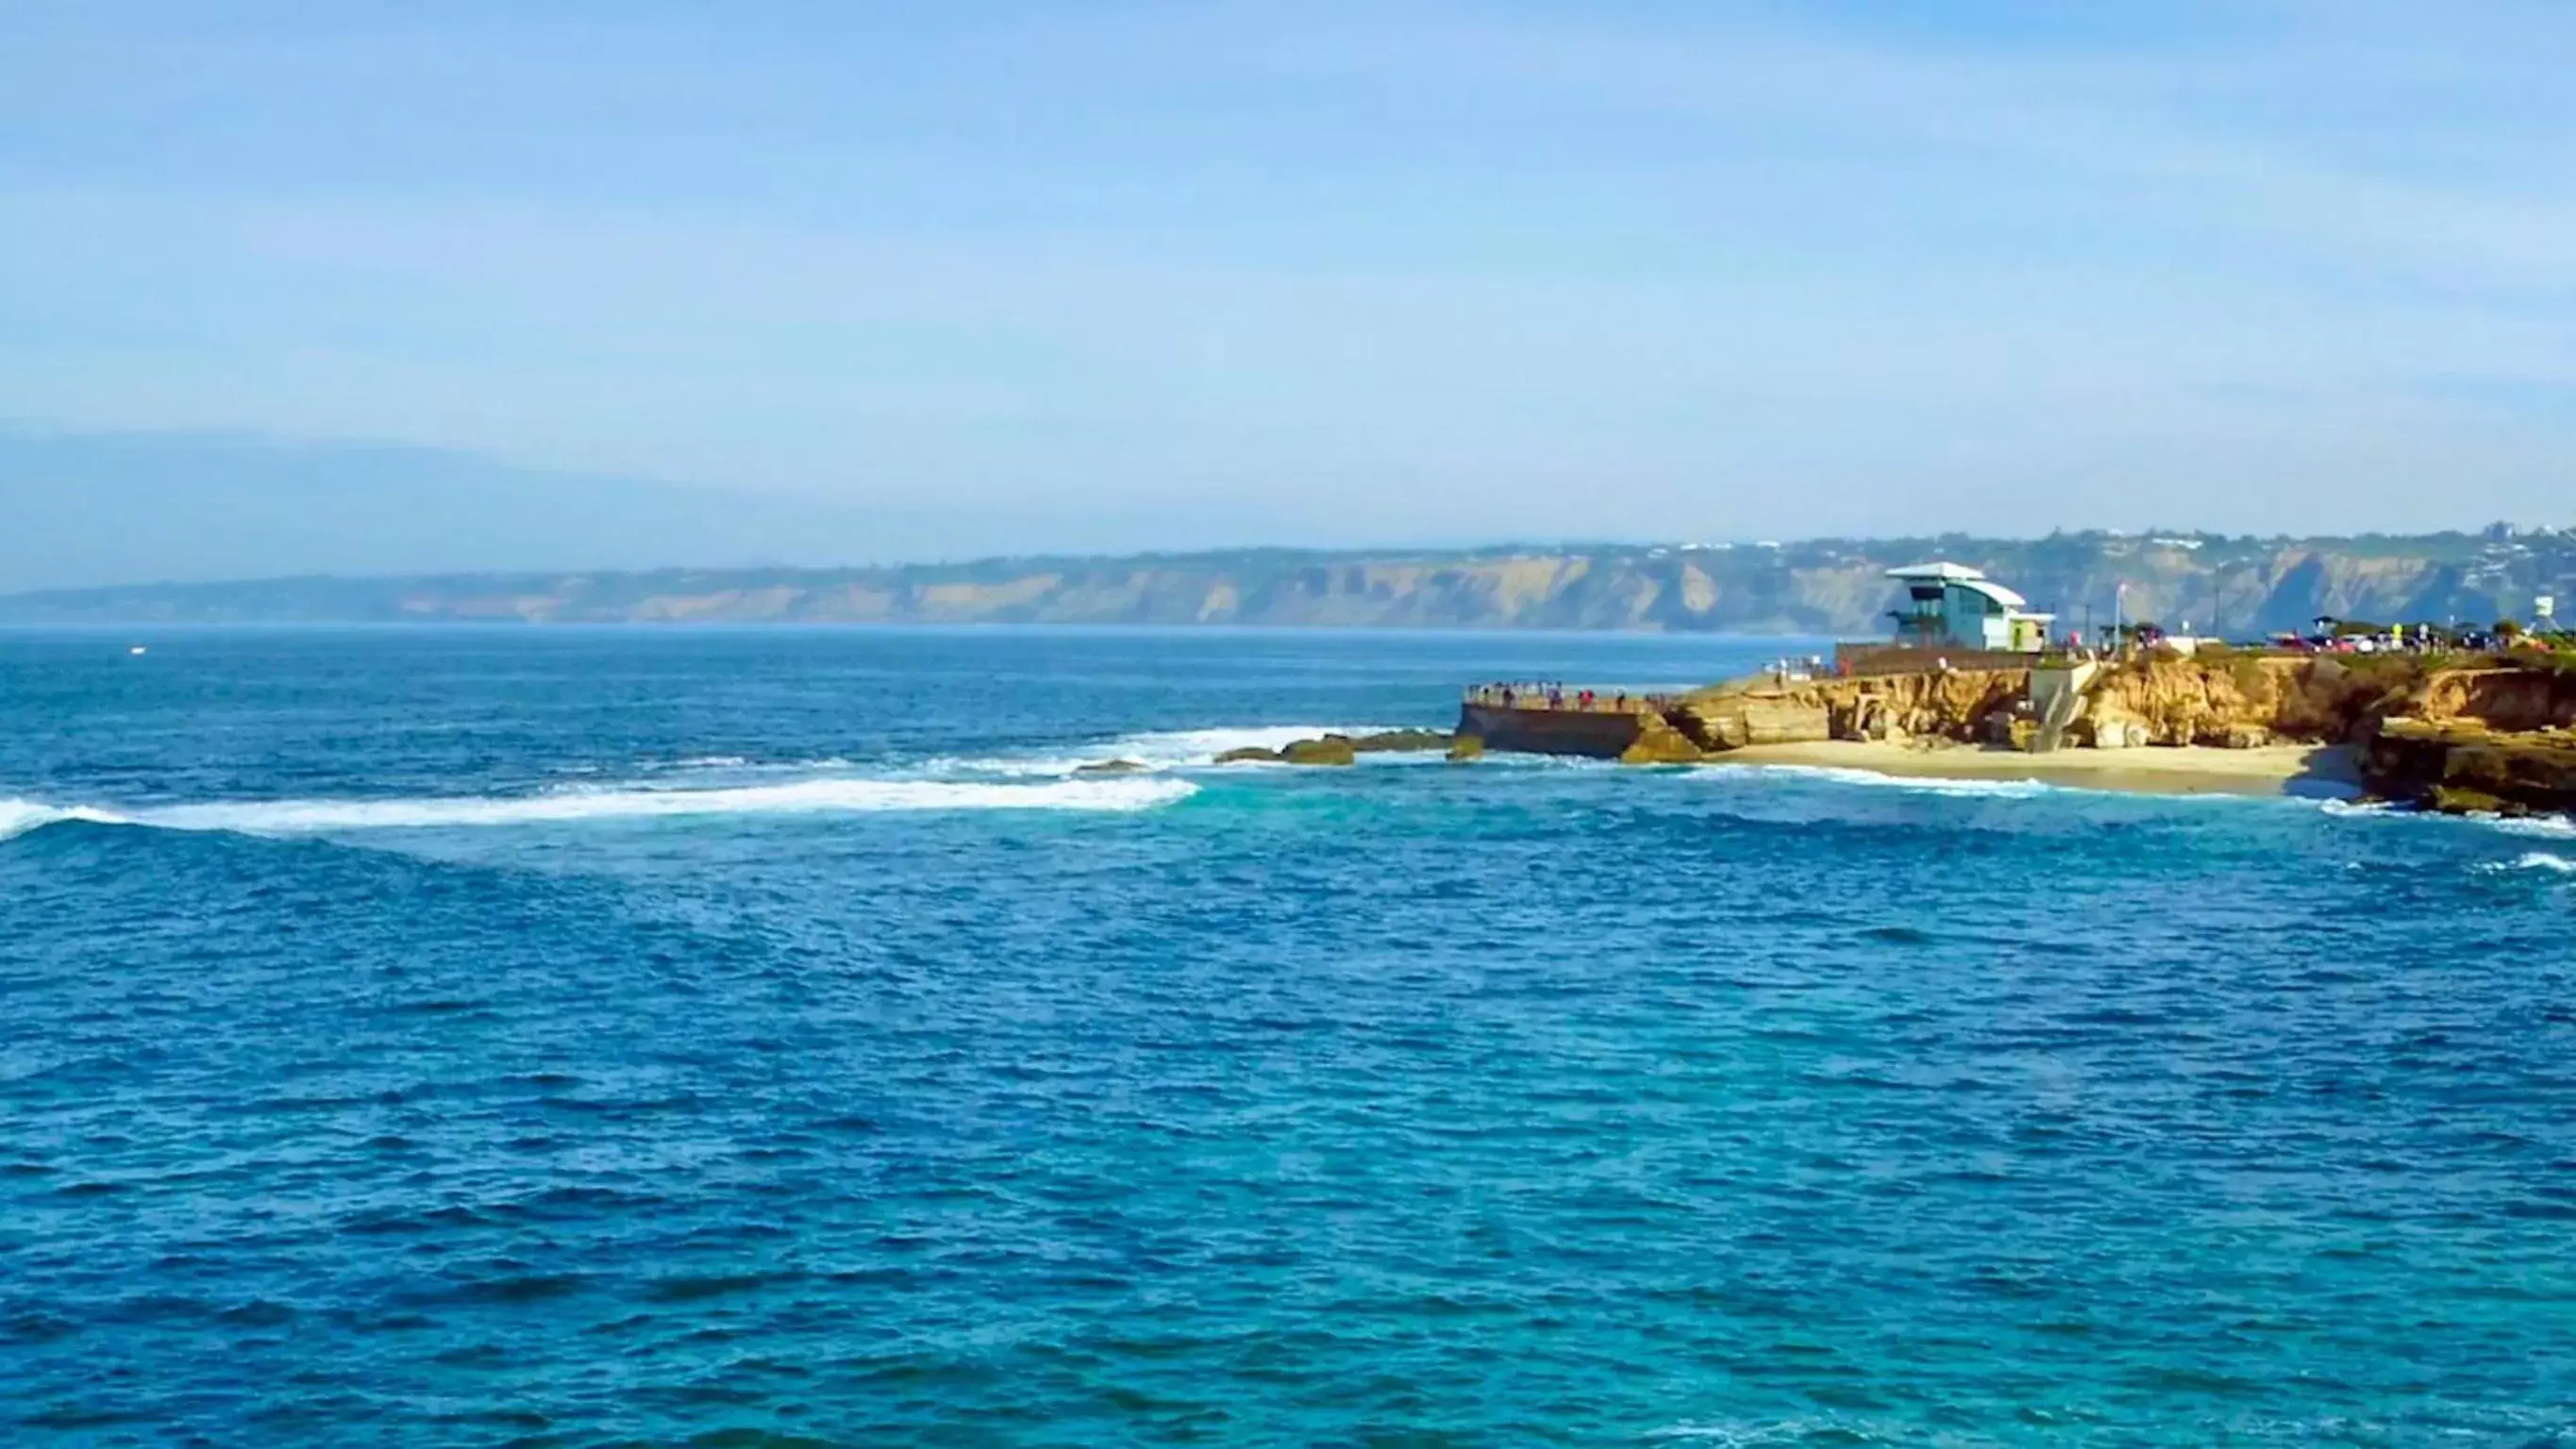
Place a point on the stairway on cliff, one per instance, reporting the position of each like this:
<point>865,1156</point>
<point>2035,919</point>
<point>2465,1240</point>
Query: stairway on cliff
<point>2058,695</point>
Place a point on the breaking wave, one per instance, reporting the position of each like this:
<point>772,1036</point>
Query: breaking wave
<point>734,785</point>
<point>2536,860</point>
<point>722,765</point>
<point>2545,827</point>
<point>1926,784</point>
<point>1157,751</point>
<point>807,797</point>
<point>17,817</point>
<point>2553,827</point>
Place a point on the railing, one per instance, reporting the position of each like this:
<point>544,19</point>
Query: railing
<point>1557,697</point>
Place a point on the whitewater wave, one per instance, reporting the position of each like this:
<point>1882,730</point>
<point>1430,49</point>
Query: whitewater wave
<point>2545,827</point>
<point>1158,751</point>
<point>17,817</point>
<point>2535,860</point>
<point>1922,784</point>
<point>2551,827</point>
<point>808,797</point>
<point>737,785</point>
<point>725,765</point>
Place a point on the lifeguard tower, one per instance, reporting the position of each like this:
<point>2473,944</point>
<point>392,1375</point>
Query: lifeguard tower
<point>1952,606</point>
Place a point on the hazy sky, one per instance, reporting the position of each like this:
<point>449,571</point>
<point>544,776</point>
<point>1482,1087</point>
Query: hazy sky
<point>1317,272</point>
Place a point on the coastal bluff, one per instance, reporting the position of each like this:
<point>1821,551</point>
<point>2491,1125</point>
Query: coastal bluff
<point>1679,729</point>
<point>2484,734</point>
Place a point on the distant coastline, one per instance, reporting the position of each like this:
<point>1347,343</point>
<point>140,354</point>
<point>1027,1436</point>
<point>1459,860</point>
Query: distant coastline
<point>1813,588</point>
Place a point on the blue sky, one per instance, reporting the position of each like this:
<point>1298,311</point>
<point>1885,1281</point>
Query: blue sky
<point>1117,275</point>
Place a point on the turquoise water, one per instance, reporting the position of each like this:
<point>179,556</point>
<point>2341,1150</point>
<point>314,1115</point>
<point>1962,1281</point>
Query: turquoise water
<point>753,1037</point>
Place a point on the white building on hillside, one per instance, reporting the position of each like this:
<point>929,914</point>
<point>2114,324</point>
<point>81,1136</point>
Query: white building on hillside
<point>1952,606</point>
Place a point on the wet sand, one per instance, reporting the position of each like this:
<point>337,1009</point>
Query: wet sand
<point>2176,770</point>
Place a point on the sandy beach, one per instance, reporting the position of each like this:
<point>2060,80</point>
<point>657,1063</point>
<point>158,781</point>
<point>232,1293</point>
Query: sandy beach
<point>2180,770</point>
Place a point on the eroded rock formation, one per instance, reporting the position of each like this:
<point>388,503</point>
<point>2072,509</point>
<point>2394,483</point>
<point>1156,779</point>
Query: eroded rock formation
<point>1334,749</point>
<point>2493,734</point>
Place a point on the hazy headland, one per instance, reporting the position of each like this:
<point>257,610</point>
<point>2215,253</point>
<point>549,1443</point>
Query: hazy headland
<point>1813,587</point>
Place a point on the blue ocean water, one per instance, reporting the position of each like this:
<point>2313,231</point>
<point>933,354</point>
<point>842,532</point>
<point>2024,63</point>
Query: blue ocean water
<point>763,1037</point>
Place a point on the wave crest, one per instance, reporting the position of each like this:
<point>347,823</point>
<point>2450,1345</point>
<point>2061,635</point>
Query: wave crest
<point>1156,750</point>
<point>807,797</point>
<point>2536,860</point>
<point>1846,775</point>
<point>17,816</point>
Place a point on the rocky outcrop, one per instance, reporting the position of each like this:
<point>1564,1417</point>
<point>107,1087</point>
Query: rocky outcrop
<point>1948,704</point>
<point>1330,750</point>
<point>1390,742</point>
<point>1336,749</point>
<point>2460,766</point>
<point>2532,697</point>
<point>1733,721</point>
<point>2238,701</point>
<point>1658,742</point>
<point>2486,736</point>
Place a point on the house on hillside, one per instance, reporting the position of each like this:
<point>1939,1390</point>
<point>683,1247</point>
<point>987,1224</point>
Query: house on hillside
<point>1952,606</point>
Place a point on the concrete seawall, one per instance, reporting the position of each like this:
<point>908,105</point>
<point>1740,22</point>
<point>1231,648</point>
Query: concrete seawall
<point>1601,734</point>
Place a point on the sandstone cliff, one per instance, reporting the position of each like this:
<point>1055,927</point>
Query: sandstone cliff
<point>2486,735</point>
<point>1819,587</point>
<point>1952,705</point>
<point>2462,766</point>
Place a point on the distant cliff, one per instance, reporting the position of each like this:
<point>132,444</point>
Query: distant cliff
<point>1817,587</point>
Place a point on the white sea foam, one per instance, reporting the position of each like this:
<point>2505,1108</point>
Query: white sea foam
<point>2536,860</point>
<point>2552,827</point>
<point>1923,784</point>
<point>735,785</point>
<point>2546,827</point>
<point>1158,751</point>
<point>808,797</point>
<point>17,816</point>
<point>742,765</point>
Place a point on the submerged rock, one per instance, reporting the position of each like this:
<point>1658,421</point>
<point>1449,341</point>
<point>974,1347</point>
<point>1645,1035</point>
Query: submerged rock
<point>2461,800</point>
<point>1113,767</point>
<point>1249,755</point>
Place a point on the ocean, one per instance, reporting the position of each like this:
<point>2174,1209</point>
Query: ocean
<point>760,1037</point>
